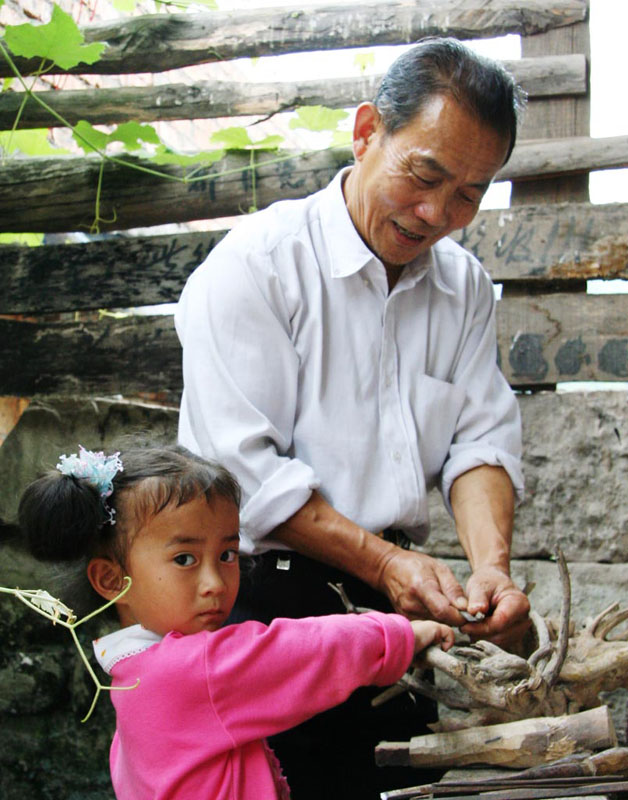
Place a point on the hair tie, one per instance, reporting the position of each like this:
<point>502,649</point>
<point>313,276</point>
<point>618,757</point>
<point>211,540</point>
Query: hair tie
<point>97,469</point>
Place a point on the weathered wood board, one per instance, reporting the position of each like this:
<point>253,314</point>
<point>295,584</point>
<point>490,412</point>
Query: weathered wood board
<point>167,41</point>
<point>539,77</point>
<point>59,194</point>
<point>557,242</point>
<point>541,340</point>
<point>556,118</point>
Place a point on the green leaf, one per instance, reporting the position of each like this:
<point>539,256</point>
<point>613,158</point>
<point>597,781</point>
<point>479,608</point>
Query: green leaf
<point>364,60</point>
<point>166,156</point>
<point>89,138</point>
<point>207,3</point>
<point>317,118</point>
<point>235,138</point>
<point>271,142</point>
<point>341,138</point>
<point>60,41</point>
<point>30,239</point>
<point>31,143</point>
<point>7,82</point>
<point>132,134</point>
<point>125,6</point>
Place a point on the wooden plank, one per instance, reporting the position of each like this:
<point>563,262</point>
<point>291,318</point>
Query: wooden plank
<point>557,118</point>
<point>166,41</point>
<point>541,339</point>
<point>559,243</point>
<point>120,272</point>
<point>58,194</point>
<point>546,339</point>
<point>113,356</point>
<point>540,77</point>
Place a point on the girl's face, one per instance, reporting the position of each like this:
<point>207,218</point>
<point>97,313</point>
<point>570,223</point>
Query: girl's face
<point>184,566</point>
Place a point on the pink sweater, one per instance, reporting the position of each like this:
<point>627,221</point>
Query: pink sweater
<point>195,727</point>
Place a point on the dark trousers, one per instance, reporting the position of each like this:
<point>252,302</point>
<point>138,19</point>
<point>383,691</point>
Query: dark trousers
<point>331,757</point>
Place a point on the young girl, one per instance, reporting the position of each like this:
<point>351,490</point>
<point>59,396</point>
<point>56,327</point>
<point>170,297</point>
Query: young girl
<point>194,728</point>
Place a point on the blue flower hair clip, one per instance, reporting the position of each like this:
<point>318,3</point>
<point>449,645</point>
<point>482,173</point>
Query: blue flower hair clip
<point>97,469</point>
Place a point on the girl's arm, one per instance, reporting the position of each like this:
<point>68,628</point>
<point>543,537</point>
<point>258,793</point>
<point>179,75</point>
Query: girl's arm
<point>266,679</point>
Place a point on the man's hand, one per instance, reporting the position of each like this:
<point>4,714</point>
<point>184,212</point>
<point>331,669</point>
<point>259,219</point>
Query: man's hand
<point>491,591</point>
<point>421,587</point>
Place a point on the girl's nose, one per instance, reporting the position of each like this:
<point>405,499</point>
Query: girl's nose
<point>211,581</point>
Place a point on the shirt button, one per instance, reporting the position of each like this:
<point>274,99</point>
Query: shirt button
<point>388,382</point>
<point>396,456</point>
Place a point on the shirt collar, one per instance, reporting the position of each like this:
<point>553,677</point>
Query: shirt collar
<point>347,252</point>
<point>121,644</point>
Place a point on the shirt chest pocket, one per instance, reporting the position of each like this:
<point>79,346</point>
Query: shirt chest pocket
<point>434,408</point>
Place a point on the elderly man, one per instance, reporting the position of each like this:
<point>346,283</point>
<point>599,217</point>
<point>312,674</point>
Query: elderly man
<point>339,356</point>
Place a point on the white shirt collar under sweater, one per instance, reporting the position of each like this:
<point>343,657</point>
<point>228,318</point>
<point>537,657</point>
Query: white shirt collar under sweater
<point>121,644</point>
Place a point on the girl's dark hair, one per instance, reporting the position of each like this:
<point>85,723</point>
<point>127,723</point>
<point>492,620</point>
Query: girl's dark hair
<point>443,65</point>
<point>63,519</point>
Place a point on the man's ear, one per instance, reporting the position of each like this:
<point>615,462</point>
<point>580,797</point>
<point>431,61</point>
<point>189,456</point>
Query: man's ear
<point>367,122</point>
<point>106,577</point>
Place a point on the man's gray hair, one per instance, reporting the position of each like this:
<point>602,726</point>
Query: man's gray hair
<point>444,65</point>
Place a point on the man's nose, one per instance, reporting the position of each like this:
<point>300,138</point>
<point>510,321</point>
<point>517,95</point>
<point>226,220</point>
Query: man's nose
<point>432,209</point>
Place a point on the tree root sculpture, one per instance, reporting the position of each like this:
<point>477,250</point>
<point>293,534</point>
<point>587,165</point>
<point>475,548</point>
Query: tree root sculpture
<point>564,673</point>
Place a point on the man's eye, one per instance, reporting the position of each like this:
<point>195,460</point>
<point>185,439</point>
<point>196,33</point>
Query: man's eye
<point>422,181</point>
<point>184,559</point>
<point>229,556</point>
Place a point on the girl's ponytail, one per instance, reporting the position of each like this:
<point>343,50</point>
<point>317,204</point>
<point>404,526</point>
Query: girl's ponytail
<point>63,514</point>
<point>61,517</point>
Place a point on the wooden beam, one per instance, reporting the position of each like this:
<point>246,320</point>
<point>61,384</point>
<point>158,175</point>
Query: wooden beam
<point>541,339</point>
<point>59,194</point>
<point>559,243</point>
<point>557,118</point>
<point>573,156</point>
<point>161,42</point>
<point>523,743</point>
<point>540,77</point>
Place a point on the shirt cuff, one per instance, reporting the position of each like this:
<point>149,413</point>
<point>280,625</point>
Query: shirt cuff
<point>277,499</point>
<point>463,458</point>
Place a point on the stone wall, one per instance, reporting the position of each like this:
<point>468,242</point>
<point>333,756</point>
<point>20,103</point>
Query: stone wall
<point>576,465</point>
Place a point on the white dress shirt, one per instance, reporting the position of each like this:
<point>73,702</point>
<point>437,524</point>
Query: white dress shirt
<point>301,371</point>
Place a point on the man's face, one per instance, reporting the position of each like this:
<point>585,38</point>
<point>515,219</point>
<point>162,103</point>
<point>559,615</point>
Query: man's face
<point>409,189</point>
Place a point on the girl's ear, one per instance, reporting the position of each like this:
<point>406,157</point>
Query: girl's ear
<point>106,577</point>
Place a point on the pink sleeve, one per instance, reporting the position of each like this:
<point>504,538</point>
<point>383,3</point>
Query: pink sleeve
<point>265,679</point>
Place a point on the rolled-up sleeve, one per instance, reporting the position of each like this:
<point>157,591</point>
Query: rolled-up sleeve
<point>240,394</point>
<point>488,430</point>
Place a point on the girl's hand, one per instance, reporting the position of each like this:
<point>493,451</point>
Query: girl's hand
<point>427,632</point>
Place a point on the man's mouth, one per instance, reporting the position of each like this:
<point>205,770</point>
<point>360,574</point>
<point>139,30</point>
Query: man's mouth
<point>417,237</point>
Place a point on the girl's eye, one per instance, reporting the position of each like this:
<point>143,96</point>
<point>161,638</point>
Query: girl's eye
<point>229,556</point>
<point>184,559</point>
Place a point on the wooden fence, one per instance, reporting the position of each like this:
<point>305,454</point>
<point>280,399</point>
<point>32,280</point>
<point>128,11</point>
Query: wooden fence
<point>542,250</point>
<point>550,249</point>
